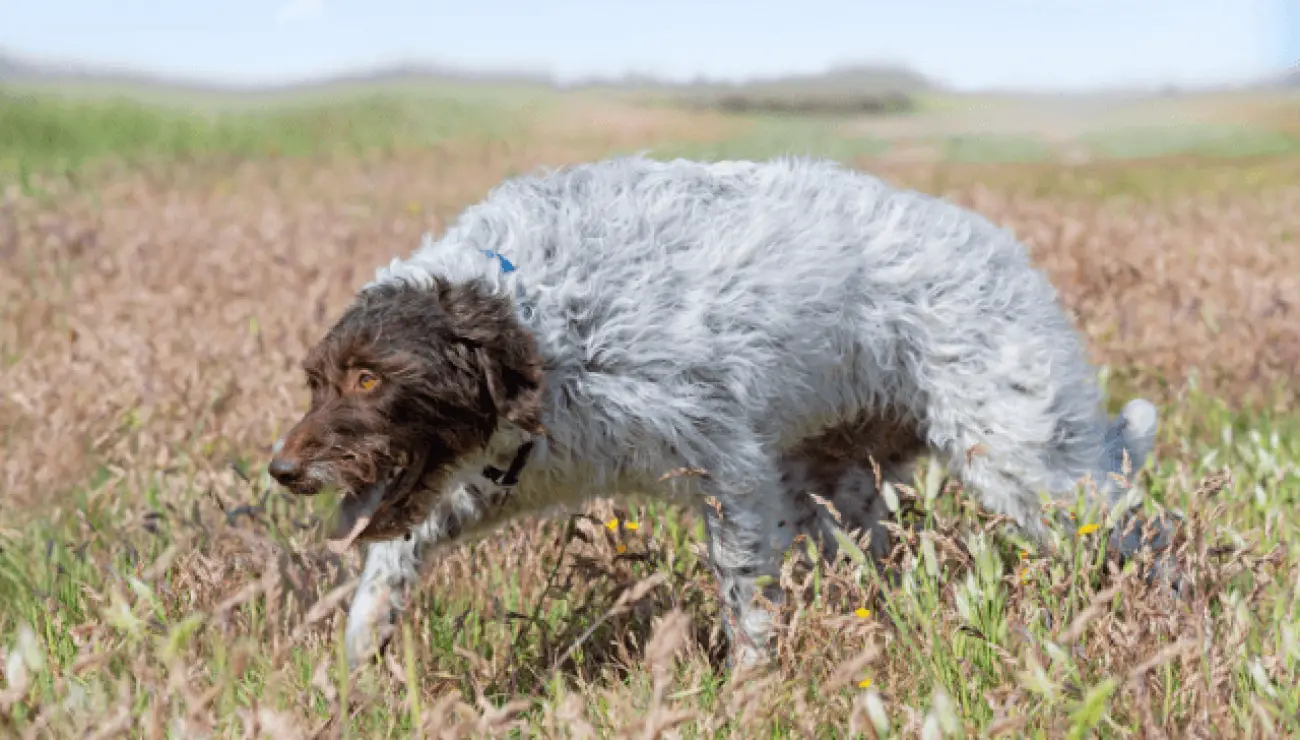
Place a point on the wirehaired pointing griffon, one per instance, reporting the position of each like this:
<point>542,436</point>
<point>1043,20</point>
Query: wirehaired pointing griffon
<point>778,325</point>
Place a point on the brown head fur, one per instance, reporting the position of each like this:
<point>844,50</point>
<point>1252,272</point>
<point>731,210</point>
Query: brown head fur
<point>413,377</point>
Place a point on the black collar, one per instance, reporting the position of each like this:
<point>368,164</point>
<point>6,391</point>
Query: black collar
<point>510,476</point>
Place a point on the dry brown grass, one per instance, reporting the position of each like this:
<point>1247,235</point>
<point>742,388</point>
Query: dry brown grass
<point>152,327</point>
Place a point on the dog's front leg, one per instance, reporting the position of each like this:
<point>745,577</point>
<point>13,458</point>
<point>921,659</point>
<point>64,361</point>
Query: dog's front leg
<point>391,568</point>
<point>747,533</point>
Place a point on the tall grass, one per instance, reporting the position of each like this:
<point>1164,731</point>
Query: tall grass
<point>156,608</point>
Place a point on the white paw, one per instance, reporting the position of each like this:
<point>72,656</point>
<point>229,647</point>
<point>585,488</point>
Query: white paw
<point>748,656</point>
<point>371,623</point>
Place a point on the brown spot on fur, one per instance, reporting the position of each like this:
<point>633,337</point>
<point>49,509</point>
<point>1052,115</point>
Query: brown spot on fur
<point>892,441</point>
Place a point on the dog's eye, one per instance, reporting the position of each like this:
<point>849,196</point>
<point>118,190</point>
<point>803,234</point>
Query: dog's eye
<point>366,380</point>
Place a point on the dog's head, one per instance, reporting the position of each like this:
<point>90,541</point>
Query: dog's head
<point>407,387</point>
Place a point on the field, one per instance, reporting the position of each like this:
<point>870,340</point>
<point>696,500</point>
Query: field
<point>166,260</point>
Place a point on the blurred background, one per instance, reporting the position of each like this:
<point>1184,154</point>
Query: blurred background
<point>191,191</point>
<point>946,79</point>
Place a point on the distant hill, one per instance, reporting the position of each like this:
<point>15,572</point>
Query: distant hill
<point>845,90</point>
<point>1287,78</point>
<point>851,80</point>
<point>848,90</point>
<point>400,73</point>
<point>857,79</point>
<point>14,69</point>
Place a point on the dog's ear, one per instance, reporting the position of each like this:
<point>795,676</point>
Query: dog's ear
<point>506,353</point>
<point>514,382</point>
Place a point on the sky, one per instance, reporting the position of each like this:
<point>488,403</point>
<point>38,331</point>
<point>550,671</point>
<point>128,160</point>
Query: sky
<point>967,44</point>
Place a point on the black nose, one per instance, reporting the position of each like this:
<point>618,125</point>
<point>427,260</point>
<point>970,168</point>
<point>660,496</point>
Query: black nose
<point>286,470</point>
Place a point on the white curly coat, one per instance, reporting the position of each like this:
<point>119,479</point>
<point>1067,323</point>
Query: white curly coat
<point>713,316</point>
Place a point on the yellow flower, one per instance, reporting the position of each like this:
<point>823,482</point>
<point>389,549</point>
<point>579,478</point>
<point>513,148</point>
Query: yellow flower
<point>1024,575</point>
<point>612,525</point>
<point>862,613</point>
<point>864,683</point>
<point>621,549</point>
<point>631,526</point>
<point>1024,554</point>
<point>1088,529</point>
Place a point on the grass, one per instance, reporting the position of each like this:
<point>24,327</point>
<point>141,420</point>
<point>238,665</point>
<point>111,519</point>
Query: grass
<point>995,149</point>
<point>43,132</point>
<point>154,583</point>
<point>1202,141</point>
<point>213,620</point>
<point>762,137</point>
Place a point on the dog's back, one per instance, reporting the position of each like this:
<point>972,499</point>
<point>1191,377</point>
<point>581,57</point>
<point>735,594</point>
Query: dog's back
<point>771,283</point>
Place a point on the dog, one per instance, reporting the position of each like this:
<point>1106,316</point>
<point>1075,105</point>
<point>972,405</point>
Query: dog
<point>777,326</point>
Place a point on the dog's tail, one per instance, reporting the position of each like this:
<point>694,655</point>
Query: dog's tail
<point>1132,431</point>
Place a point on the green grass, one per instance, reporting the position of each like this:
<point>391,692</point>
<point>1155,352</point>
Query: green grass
<point>65,130</point>
<point>991,149</point>
<point>763,137</point>
<point>1201,141</point>
<point>44,131</point>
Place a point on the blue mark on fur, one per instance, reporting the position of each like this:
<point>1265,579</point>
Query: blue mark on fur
<point>506,265</point>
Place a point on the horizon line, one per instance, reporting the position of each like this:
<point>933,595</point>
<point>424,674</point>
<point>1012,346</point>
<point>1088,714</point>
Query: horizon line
<point>55,67</point>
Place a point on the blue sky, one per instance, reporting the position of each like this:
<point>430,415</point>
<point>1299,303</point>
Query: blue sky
<point>1063,44</point>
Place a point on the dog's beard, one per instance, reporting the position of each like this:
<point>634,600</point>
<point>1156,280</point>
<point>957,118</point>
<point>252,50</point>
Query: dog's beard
<point>384,509</point>
<point>358,509</point>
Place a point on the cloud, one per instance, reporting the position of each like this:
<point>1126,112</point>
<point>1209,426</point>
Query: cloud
<point>297,11</point>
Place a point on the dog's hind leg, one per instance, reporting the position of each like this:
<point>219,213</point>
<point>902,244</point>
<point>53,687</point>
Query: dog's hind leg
<point>1017,433</point>
<point>1129,441</point>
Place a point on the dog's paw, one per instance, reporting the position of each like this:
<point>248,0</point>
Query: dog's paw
<point>748,659</point>
<point>1167,574</point>
<point>367,643</point>
<point>371,625</point>
<point>1136,534</point>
